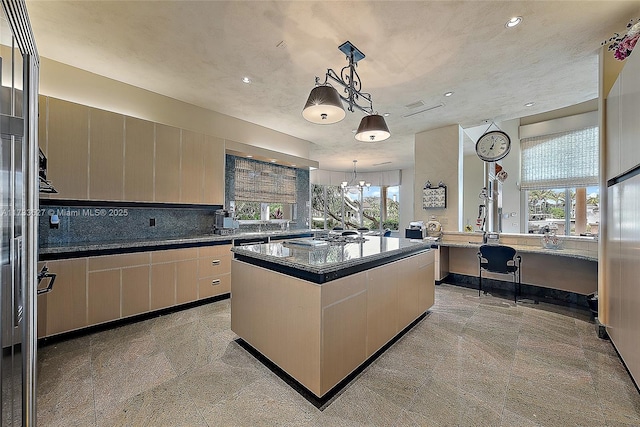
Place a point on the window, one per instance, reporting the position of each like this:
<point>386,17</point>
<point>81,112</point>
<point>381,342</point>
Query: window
<point>371,207</point>
<point>569,211</point>
<point>560,178</point>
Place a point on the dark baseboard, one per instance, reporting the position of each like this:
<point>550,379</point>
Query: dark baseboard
<point>534,293</point>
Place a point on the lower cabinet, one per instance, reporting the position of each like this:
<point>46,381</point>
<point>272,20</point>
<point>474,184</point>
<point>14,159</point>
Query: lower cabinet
<point>94,290</point>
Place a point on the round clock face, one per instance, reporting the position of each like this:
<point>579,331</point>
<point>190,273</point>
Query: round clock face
<point>493,146</point>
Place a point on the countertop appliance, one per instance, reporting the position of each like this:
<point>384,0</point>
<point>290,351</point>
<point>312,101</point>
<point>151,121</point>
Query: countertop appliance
<point>225,224</point>
<point>416,230</point>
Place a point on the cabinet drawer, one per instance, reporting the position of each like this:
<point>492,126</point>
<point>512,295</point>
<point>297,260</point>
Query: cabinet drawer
<point>211,286</point>
<point>214,266</point>
<point>109,262</point>
<point>173,255</point>
<point>214,251</point>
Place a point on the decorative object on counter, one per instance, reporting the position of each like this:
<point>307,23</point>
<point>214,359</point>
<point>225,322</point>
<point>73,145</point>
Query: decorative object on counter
<point>493,145</point>
<point>416,230</point>
<point>434,228</point>
<point>324,103</point>
<point>434,197</point>
<point>551,241</point>
<point>623,45</point>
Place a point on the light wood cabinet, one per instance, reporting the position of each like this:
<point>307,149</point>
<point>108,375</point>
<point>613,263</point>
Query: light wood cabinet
<point>214,269</point>
<point>382,304</point>
<point>106,155</point>
<point>613,132</point>
<point>138,160</point>
<point>68,149</point>
<point>95,154</point>
<point>167,166</point>
<point>42,123</point>
<point>135,290</point>
<point>214,167</point>
<point>192,167</point>
<point>186,281</point>
<point>319,333</point>
<point>163,285</point>
<point>103,302</point>
<point>94,290</point>
<point>67,303</point>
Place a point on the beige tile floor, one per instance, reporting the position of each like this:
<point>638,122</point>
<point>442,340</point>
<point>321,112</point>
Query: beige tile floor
<point>471,362</point>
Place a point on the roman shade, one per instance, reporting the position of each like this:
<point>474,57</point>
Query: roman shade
<point>257,181</point>
<point>560,160</point>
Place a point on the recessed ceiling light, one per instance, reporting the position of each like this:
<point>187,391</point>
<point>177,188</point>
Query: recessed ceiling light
<point>246,80</point>
<point>293,166</point>
<point>513,21</point>
<point>529,104</point>
<point>273,160</point>
<point>354,130</point>
<point>386,114</point>
<point>249,156</point>
<point>448,93</point>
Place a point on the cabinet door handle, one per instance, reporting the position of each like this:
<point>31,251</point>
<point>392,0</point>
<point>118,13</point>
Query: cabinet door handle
<point>215,262</point>
<point>215,282</point>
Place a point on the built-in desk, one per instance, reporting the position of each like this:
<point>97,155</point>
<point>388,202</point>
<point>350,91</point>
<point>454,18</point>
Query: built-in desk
<point>572,269</point>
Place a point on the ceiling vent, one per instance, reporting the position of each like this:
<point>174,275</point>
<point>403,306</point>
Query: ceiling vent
<point>433,107</point>
<point>415,105</point>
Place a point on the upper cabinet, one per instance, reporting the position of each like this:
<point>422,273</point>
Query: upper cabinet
<point>106,155</point>
<point>623,120</point>
<point>192,172</point>
<point>167,168</point>
<point>67,144</point>
<point>99,155</point>
<point>138,159</point>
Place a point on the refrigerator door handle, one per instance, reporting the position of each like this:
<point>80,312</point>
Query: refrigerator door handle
<point>17,281</point>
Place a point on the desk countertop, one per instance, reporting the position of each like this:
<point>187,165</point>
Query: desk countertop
<point>567,252</point>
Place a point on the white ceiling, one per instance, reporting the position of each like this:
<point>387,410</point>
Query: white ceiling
<point>198,52</point>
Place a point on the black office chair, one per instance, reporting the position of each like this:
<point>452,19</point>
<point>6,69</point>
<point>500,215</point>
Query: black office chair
<point>350,233</point>
<point>500,259</point>
<point>338,228</point>
<point>363,229</point>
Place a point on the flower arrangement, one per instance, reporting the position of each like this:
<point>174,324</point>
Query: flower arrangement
<point>622,46</point>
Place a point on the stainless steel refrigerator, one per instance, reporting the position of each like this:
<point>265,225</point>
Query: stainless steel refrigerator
<point>18,215</point>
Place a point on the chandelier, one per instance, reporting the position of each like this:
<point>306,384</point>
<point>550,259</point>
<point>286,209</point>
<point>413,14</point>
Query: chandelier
<point>354,182</point>
<point>324,105</point>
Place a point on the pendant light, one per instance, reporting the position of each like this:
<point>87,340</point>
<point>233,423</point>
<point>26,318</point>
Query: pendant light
<point>372,128</point>
<point>324,106</point>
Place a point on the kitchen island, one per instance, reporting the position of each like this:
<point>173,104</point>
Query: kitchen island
<point>319,310</point>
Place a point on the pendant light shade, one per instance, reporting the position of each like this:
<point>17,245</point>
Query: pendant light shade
<point>324,106</point>
<point>372,128</point>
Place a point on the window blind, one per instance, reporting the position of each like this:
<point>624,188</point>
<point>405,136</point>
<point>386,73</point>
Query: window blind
<point>567,159</point>
<point>264,182</point>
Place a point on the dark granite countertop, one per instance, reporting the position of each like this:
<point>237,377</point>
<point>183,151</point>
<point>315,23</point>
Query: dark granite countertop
<point>322,258</point>
<point>75,250</point>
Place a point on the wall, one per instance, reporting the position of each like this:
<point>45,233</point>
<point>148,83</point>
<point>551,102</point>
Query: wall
<point>473,178</point>
<point>407,201</point>
<point>436,157</point>
<point>72,84</point>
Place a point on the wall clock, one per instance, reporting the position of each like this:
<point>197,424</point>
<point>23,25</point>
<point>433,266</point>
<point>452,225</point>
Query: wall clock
<point>493,145</point>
